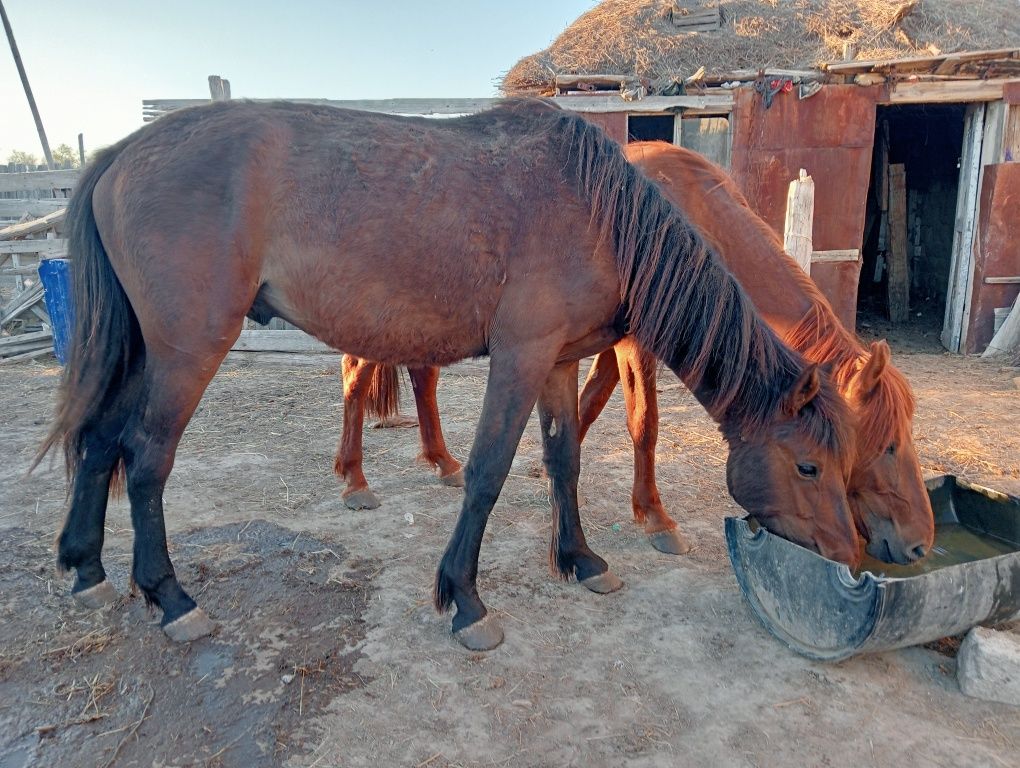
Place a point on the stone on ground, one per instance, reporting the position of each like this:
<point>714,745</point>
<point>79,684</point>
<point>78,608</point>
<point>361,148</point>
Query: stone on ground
<point>988,665</point>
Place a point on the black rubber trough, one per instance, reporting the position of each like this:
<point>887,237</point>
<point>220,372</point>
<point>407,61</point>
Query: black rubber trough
<point>822,610</point>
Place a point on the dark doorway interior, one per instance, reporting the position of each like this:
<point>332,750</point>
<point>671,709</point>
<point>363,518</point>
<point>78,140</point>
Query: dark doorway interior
<point>928,140</point>
<point>650,128</point>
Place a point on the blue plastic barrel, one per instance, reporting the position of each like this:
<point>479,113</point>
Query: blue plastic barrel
<point>56,279</point>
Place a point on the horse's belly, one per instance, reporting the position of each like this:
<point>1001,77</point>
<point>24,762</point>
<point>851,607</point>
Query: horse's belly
<point>391,321</point>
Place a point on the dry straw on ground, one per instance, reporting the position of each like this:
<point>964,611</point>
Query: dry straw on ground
<point>637,37</point>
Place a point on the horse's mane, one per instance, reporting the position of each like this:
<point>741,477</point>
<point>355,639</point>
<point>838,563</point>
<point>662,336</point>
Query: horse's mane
<point>681,303</point>
<point>884,415</point>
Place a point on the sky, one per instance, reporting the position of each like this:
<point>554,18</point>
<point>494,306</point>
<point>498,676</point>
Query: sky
<point>90,63</point>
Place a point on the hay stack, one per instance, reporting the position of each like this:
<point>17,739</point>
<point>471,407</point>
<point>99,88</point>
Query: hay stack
<point>639,37</point>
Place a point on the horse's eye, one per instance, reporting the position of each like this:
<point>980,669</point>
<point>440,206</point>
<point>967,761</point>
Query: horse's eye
<point>891,450</point>
<point>808,470</point>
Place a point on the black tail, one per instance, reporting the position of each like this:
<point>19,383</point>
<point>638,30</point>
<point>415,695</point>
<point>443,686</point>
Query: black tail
<point>105,337</point>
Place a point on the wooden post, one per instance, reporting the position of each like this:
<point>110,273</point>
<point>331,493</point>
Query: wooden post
<point>800,211</point>
<point>28,88</point>
<point>81,148</point>
<point>219,89</point>
<point>899,264</point>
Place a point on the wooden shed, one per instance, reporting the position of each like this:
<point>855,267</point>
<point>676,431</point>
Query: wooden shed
<point>906,115</point>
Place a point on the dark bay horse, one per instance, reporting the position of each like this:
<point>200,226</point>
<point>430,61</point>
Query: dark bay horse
<point>886,490</point>
<point>521,233</point>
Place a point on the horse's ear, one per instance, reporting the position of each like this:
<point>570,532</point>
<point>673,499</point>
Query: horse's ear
<point>867,378</point>
<point>804,389</point>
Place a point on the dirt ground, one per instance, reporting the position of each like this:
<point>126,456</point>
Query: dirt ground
<point>328,652</point>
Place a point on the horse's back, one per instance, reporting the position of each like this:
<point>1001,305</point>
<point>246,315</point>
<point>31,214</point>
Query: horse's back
<point>391,238</point>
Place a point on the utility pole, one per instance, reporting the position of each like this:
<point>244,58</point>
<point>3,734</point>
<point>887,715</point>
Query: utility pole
<point>28,88</point>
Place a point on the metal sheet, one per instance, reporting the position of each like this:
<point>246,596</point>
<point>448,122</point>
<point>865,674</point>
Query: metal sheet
<point>831,136</point>
<point>997,251</point>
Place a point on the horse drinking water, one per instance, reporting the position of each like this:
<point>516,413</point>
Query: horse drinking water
<point>520,233</point>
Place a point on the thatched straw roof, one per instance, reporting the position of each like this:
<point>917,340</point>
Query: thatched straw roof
<point>640,37</point>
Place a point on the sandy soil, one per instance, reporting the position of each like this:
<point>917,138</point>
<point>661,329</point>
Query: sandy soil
<point>328,652</point>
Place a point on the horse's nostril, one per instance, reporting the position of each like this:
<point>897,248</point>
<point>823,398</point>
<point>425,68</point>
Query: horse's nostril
<point>919,551</point>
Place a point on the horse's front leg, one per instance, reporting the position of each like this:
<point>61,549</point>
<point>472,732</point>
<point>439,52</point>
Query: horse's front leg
<point>424,380</point>
<point>356,375</point>
<point>569,554</point>
<point>637,372</point>
<point>515,380</point>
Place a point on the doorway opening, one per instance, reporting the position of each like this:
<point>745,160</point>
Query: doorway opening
<point>921,146</point>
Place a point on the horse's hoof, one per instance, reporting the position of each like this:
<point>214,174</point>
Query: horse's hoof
<point>191,626</point>
<point>96,596</point>
<point>603,583</point>
<point>484,635</point>
<point>363,498</point>
<point>397,421</point>
<point>454,479</point>
<point>671,542</point>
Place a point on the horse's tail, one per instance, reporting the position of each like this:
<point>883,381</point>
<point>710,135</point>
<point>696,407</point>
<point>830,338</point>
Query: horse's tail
<point>105,342</point>
<point>383,398</point>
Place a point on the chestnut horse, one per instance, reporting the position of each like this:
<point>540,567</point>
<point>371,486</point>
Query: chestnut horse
<point>886,490</point>
<point>521,233</point>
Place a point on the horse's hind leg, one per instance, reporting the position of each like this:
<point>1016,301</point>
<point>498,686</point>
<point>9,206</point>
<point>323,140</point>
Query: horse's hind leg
<point>637,371</point>
<point>80,543</point>
<point>173,385</point>
<point>569,554</point>
<point>598,388</point>
<point>433,446</point>
<point>356,375</point>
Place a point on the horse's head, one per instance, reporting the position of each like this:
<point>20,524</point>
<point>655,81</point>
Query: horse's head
<point>886,489</point>
<point>791,473</point>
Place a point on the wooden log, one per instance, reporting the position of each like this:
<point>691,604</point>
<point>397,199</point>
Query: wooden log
<point>800,211</point>
<point>25,228</point>
<point>918,63</point>
<point>898,260</point>
<point>1007,339</point>
<point>593,82</point>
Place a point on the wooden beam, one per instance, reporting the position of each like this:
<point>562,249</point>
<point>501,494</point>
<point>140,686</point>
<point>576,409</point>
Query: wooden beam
<point>918,63</point>
<point>279,341</point>
<point>20,303</point>
<point>46,349</point>
<point>829,257</point>
<point>800,211</point>
<point>592,82</point>
<point>712,104</point>
<point>1011,280</point>
<point>897,258</point>
<point>49,248</point>
<point>25,228</point>
<point>944,92</point>
<point>15,208</point>
<point>38,181</point>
